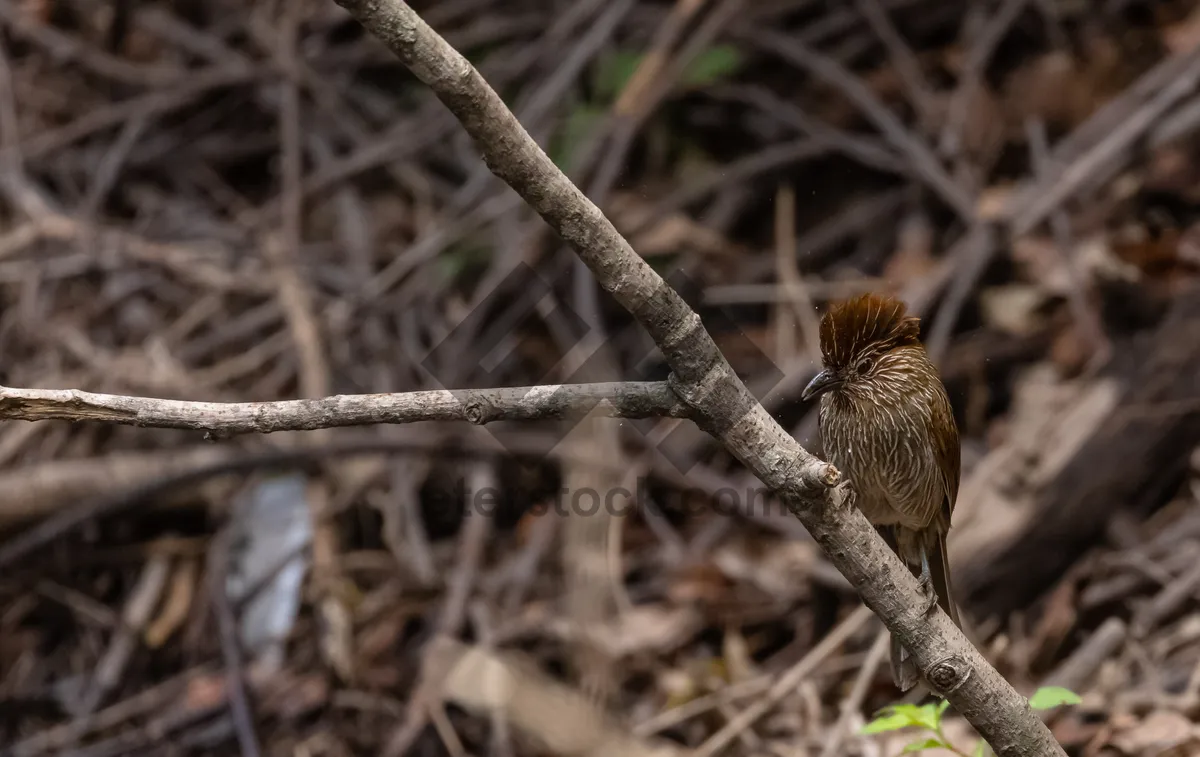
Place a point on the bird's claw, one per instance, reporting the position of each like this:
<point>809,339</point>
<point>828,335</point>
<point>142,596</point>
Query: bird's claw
<point>929,592</point>
<point>849,492</point>
<point>926,582</point>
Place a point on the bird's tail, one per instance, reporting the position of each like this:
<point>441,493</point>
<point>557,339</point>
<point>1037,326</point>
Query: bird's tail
<point>939,568</point>
<point>905,673</point>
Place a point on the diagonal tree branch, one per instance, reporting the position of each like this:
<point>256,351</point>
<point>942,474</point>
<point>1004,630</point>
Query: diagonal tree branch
<point>704,380</point>
<point>633,399</point>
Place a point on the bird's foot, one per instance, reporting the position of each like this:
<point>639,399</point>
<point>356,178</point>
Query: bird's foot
<point>927,589</point>
<point>929,594</point>
<point>849,492</point>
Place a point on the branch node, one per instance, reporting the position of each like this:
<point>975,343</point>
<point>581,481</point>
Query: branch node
<point>830,476</point>
<point>680,389</point>
<point>820,481</point>
<point>478,410</point>
<point>948,674</point>
<point>696,393</point>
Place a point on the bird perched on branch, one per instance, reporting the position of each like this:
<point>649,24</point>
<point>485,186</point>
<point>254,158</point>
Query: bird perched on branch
<point>887,424</point>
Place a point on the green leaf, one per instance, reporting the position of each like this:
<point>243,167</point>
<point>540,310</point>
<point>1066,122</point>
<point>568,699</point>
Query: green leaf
<point>613,71</point>
<point>981,749</point>
<point>892,718</point>
<point>1049,697</point>
<point>712,65</point>
<point>885,723</point>
<point>917,746</point>
<point>928,716</point>
<point>941,708</point>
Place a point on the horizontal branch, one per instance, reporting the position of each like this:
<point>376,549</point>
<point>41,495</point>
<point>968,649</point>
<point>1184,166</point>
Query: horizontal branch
<point>633,399</point>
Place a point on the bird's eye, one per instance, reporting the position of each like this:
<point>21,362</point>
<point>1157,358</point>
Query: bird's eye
<point>864,365</point>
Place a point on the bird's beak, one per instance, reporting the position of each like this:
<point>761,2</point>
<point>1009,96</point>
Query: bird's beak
<point>823,381</point>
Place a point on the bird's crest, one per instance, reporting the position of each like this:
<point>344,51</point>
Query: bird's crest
<point>869,322</point>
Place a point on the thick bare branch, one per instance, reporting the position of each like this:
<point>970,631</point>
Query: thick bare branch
<point>634,399</point>
<point>704,380</point>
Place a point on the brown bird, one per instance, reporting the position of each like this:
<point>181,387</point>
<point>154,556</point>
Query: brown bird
<point>887,425</point>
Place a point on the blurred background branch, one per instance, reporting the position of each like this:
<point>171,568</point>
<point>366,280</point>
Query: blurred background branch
<point>1022,173</point>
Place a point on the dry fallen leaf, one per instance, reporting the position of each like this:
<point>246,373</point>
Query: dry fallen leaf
<point>1189,246</point>
<point>699,582</point>
<point>1157,733</point>
<point>1070,351</point>
<point>1043,264</point>
<point>1171,168</point>
<point>1146,250</point>
<point>739,664</point>
<point>1054,87</point>
<point>993,202</point>
<point>648,628</point>
<point>666,235</point>
<point>1184,36</point>
<point>985,130</point>
<point>1057,621</point>
<point>778,568</point>
<point>1013,308</point>
<point>1073,731</point>
<point>512,686</point>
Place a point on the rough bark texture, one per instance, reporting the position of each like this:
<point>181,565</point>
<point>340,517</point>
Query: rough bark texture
<point>705,381</point>
<point>640,399</point>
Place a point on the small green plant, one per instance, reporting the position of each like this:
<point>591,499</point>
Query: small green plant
<point>929,718</point>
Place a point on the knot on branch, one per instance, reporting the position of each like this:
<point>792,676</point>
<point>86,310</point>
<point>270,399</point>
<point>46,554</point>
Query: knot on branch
<point>948,674</point>
<point>829,475</point>
<point>478,410</point>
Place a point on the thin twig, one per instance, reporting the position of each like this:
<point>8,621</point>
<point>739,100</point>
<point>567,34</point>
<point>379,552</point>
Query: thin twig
<point>1086,319</point>
<point>852,703</point>
<point>798,299</point>
<point>1168,600</point>
<point>970,255</point>
<point>83,509</point>
<point>142,600</point>
<point>902,56</point>
<point>473,540</point>
<point>1060,182</point>
<point>239,704</point>
<point>970,81</point>
<point>1076,670</point>
<point>62,738</point>
<point>13,180</point>
<point>921,157</point>
<point>786,684</point>
<point>700,705</point>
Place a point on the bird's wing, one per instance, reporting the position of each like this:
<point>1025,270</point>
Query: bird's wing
<point>946,448</point>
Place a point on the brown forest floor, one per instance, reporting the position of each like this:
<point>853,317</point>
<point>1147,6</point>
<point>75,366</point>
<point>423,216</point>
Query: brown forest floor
<point>254,201</point>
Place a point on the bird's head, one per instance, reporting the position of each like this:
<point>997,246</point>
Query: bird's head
<point>868,342</point>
